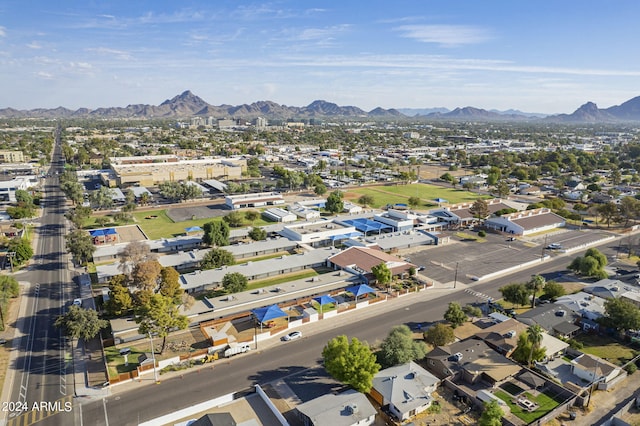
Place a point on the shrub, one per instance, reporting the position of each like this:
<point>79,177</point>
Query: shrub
<point>631,368</point>
<point>482,234</point>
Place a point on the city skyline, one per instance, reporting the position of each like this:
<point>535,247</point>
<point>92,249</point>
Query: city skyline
<point>544,57</point>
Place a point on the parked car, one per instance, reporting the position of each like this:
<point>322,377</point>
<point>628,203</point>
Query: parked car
<point>554,246</point>
<point>292,336</point>
<point>77,302</point>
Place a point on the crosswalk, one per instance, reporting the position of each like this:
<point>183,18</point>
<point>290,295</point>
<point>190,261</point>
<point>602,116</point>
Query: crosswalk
<point>40,411</point>
<point>478,294</point>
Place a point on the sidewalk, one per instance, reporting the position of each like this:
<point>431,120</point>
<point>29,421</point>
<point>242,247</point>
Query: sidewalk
<point>371,311</point>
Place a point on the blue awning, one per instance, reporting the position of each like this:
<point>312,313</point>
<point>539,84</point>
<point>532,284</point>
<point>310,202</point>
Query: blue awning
<point>97,233</point>
<point>324,299</point>
<point>268,313</point>
<point>193,229</point>
<point>367,225</point>
<point>359,290</point>
<point>345,236</point>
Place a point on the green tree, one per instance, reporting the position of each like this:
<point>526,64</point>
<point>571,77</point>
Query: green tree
<point>382,273</point>
<point>518,294</point>
<point>79,323</point>
<point>366,200</point>
<point>102,198</point>
<point>528,349</point>
<point>234,282</point>
<point>479,209</point>
<point>120,300</point>
<point>133,253</point>
<point>22,249</point>
<point>216,234</point>
<point>621,315</point>
<point>80,245</point>
<point>160,316</point>
<point>608,212</point>
<point>320,189</point>
<point>146,274</point>
<point>502,189</point>
<point>79,215</point>
<point>592,264</point>
<point>251,215</point>
<point>472,311</point>
<point>439,335</point>
<point>334,202</point>
<point>414,202</point>
<point>447,177</point>
<point>491,414</point>
<point>216,258</point>
<point>535,284</point>
<point>455,315</point>
<point>553,290</point>
<point>399,347</point>
<point>170,284</point>
<point>258,234</point>
<point>235,219</point>
<point>350,362</point>
<point>9,287</point>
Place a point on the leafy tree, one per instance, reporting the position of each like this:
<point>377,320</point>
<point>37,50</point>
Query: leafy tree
<point>73,190</point>
<point>234,282</point>
<point>133,253</point>
<point>78,216</point>
<point>535,284</point>
<point>518,294</point>
<point>350,362</point>
<point>170,284</point>
<point>382,273</point>
<point>187,301</point>
<point>366,200</point>
<point>400,347</point>
<point>217,257</point>
<point>439,335</point>
<point>609,213</point>
<point>216,234</point>
<point>234,219</point>
<point>258,234</point>
<point>491,414</point>
<point>472,311</point>
<point>160,316</point>
<point>455,315</point>
<point>479,209</point>
<point>22,249</point>
<point>80,245</point>
<point>102,198</point>
<point>80,323</point>
<point>447,177</point>
<point>320,189</point>
<point>120,300</point>
<point>591,264</point>
<point>251,215</point>
<point>553,290</point>
<point>502,189</point>
<point>9,287</point>
<point>414,202</point>
<point>528,349</point>
<point>621,315</point>
<point>145,274</point>
<point>334,202</point>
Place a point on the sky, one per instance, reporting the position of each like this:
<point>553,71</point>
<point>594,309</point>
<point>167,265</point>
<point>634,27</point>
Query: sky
<point>543,56</point>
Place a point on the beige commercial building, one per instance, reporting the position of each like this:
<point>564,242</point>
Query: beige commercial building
<point>151,170</point>
<point>11,156</point>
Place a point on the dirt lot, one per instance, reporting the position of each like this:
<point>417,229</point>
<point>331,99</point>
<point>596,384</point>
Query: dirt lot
<point>130,233</point>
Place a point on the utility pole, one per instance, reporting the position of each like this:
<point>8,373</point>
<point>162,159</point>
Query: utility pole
<point>455,276</point>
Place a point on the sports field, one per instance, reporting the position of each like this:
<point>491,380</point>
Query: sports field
<point>392,194</point>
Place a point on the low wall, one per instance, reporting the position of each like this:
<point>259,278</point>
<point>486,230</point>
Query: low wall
<point>272,407</point>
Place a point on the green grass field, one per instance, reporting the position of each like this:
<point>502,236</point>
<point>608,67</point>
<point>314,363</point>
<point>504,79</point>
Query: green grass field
<point>545,404</point>
<point>606,348</point>
<point>392,194</point>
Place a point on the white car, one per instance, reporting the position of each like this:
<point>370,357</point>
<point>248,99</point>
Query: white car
<point>77,302</point>
<point>292,336</point>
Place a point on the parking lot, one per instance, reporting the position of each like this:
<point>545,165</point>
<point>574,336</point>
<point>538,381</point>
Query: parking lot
<point>467,260</point>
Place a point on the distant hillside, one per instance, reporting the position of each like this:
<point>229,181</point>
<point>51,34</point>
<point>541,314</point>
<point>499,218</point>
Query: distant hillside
<point>188,105</point>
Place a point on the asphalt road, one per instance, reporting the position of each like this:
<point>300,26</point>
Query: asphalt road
<point>42,389</point>
<point>148,402</point>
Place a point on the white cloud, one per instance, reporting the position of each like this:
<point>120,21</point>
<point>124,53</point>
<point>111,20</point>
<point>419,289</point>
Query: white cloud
<point>34,45</point>
<point>445,35</point>
<point>120,54</point>
<point>44,75</point>
<point>3,31</point>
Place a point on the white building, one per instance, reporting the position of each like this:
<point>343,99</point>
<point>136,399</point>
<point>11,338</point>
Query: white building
<point>279,215</point>
<point>8,188</point>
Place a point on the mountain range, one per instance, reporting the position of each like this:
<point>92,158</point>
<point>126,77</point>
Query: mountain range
<point>188,105</point>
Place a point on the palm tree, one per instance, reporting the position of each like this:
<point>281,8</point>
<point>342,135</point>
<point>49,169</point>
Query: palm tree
<point>536,284</point>
<point>534,335</point>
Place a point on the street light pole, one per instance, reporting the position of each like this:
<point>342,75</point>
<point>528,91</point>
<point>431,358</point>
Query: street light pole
<point>153,357</point>
<point>455,276</point>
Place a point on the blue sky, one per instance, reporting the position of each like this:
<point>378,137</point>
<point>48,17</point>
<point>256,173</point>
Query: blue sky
<point>545,56</point>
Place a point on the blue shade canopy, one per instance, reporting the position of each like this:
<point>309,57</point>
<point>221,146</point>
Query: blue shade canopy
<point>324,299</point>
<point>193,229</point>
<point>268,313</point>
<point>440,200</point>
<point>97,233</point>
<point>359,290</point>
<point>367,225</point>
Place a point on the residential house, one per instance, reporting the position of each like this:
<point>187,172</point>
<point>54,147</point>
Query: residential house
<point>554,318</point>
<point>405,389</point>
<point>594,369</point>
<point>349,408</point>
<point>588,306</point>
